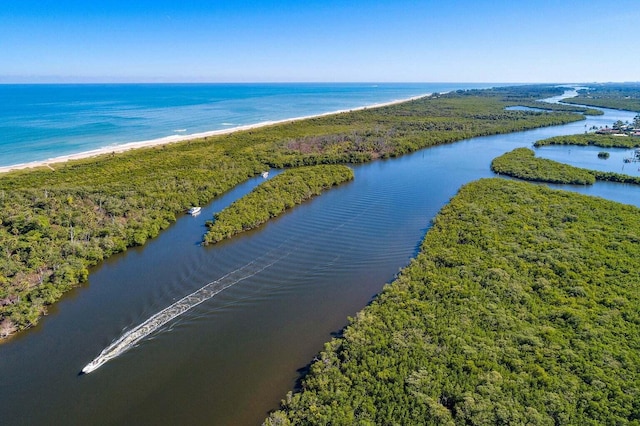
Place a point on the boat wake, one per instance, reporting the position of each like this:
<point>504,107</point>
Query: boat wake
<point>133,336</point>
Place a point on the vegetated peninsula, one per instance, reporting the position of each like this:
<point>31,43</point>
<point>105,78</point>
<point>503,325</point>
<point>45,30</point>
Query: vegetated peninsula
<point>522,163</point>
<point>619,135</point>
<point>611,95</point>
<point>521,308</point>
<point>556,107</point>
<point>591,139</point>
<point>55,224</point>
<point>273,197</point>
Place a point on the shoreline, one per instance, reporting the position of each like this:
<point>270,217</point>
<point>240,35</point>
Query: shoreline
<point>182,138</point>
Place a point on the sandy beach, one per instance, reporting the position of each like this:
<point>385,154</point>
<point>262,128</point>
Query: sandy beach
<point>51,162</point>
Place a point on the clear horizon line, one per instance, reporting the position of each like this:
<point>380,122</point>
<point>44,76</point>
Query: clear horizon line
<point>146,81</point>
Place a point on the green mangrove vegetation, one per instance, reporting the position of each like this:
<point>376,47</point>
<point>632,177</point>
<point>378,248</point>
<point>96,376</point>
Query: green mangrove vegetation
<point>547,106</point>
<point>521,308</point>
<point>55,223</point>
<point>603,141</point>
<point>522,163</point>
<point>611,95</point>
<point>399,129</point>
<point>273,197</point>
<point>615,177</point>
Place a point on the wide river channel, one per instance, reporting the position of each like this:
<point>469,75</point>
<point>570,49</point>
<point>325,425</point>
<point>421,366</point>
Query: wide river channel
<point>292,284</point>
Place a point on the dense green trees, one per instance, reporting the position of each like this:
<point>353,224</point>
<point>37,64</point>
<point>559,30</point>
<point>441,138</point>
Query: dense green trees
<point>522,163</point>
<point>619,96</point>
<point>273,197</point>
<point>546,106</point>
<point>603,141</point>
<point>54,225</point>
<point>521,308</point>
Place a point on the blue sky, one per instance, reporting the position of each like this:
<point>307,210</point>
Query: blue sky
<point>328,40</point>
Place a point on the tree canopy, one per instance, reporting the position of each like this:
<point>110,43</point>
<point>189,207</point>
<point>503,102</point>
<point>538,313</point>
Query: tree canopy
<point>611,95</point>
<point>521,308</point>
<point>523,164</point>
<point>591,139</point>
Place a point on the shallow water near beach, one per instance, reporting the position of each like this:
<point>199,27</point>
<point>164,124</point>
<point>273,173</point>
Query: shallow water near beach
<point>43,121</point>
<point>232,358</point>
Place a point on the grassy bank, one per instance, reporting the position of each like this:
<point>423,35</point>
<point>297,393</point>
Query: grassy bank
<point>521,308</point>
<point>523,164</point>
<point>273,197</point>
<point>56,224</point>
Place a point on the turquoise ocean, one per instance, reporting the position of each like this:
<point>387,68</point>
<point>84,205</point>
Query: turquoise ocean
<point>43,121</point>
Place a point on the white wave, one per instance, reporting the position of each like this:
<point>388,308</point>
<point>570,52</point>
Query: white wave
<point>133,336</point>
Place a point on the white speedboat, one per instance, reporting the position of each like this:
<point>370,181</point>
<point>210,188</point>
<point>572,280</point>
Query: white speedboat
<point>194,211</point>
<point>93,365</point>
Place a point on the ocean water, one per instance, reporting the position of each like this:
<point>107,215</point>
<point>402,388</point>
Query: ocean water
<point>44,121</point>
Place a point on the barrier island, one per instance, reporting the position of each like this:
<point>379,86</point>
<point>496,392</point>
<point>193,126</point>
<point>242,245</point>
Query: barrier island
<point>58,220</point>
<point>521,308</point>
<point>273,197</point>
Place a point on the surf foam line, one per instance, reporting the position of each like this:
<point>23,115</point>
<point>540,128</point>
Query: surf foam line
<point>133,336</point>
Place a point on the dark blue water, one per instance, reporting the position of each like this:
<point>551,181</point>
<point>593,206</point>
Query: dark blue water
<point>231,359</point>
<point>39,122</point>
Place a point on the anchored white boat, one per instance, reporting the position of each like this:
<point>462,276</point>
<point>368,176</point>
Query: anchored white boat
<point>193,211</point>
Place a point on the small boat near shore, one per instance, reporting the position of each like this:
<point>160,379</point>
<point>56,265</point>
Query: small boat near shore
<point>194,211</point>
<point>265,174</point>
